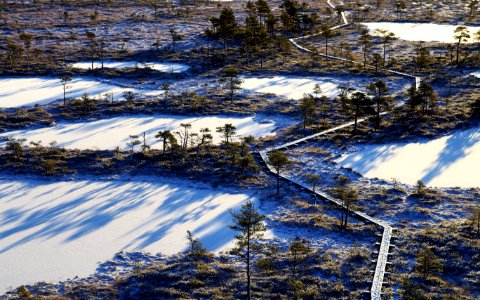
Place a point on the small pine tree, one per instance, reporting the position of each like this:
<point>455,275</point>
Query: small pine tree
<point>195,248</point>
<point>279,161</point>
<point>427,262</point>
<point>249,223</point>
<point>230,81</point>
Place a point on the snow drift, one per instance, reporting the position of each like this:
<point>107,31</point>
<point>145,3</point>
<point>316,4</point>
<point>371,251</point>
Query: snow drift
<point>57,230</point>
<point>449,161</point>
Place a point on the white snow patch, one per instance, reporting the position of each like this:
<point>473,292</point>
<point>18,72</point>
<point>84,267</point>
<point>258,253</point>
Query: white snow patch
<point>166,67</point>
<point>51,231</point>
<point>28,91</point>
<point>106,134</point>
<point>417,32</point>
<point>475,74</point>
<point>289,86</point>
<point>450,161</point>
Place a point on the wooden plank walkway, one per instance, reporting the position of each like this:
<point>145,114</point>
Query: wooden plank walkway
<point>415,79</point>
<point>383,252</point>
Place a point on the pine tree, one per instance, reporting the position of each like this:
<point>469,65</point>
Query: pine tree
<point>380,97</point>
<point>313,180</point>
<point>279,161</point>
<point>427,96</point>
<point>307,107</point>
<point>263,9</point>
<point>165,136</point>
<point>249,223</point>
<point>64,80</point>
<point>93,45</point>
<point>228,131</point>
<point>387,38</point>
<point>461,35</point>
<point>297,251</point>
<point>227,25</point>
<point>365,41</point>
<point>327,33</point>
<point>230,81</point>
<point>427,262</point>
<point>195,248</point>
<point>356,105</point>
<point>474,220</point>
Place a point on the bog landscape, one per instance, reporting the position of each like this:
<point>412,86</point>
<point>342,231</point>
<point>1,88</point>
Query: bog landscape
<point>236,149</point>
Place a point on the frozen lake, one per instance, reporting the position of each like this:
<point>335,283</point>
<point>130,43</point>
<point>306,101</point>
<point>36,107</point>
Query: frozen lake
<point>110,133</point>
<point>476,74</point>
<point>418,32</point>
<point>28,91</point>
<point>449,161</point>
<point>294,87</point>
<point>166,67</point>
<point>51,231</point>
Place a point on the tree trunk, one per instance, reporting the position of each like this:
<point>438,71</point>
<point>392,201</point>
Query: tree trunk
<point>458,51</point>
<point>384,54</point>
<point>378,115</point>
<point>326,48</point>
<point>356,121</point>
<point>278,182</point>
<point>249,296</point>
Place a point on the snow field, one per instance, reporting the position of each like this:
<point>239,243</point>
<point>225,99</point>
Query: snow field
<point>51,231</point>
<point>106,134</point>
<point>476,74</point>
<point>449,161</point>
<point>28,91</point>
<point>418,32</point>
<point>166,67</point>
<point>295,87</point>
<point>289,86</point>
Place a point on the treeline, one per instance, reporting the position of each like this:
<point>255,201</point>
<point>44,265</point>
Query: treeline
<point>183,153</point>
<point>263,33</point>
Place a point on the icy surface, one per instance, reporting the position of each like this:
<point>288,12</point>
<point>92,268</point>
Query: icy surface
<point>476,74</point>
<point>166,67</point>
<point>28,91</point>
<point>417,32</point>
<point>289,86</point>
<point>110,133</point>
<point>56,230</point>
<point>450,161</point>
<point>294,87</point>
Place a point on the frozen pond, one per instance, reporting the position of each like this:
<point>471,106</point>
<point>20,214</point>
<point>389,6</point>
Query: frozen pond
<point>450,161</point>
<point>294,87</point>
<point>28,91</point>
<point>51,231</point>
<point>113,132</point>
<point>166,67</point>
<point>418,32</point>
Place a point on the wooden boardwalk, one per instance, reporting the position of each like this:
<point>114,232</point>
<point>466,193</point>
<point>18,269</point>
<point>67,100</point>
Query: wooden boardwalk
<point>383,252</point>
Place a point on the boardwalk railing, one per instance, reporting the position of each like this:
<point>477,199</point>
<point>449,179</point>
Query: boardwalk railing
<point>382,259</point>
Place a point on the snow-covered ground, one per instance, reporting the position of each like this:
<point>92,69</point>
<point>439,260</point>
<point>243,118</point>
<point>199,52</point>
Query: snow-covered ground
<point>294,87</point>
<point>57,230</point>
<point>476,74</point>
<point>113,132</point>
<point>449,161</point>
<point>28,91</point>
<point>166,67</point>
<point>417,32</point>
